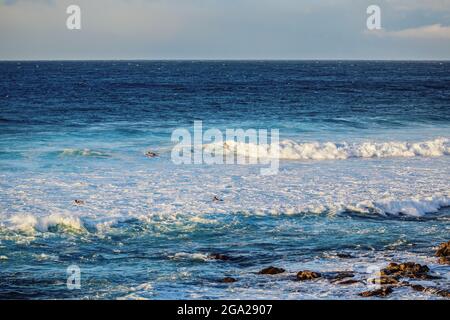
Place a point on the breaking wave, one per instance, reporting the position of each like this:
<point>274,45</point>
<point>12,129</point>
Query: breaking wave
<point>291,150</point>
<point>388,207</point>
<point>83,153</point>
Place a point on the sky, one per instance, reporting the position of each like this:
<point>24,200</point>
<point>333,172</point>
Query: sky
<point>224,29</point>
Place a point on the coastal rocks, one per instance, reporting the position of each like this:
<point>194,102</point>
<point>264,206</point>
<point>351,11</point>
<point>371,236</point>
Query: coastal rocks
<point>344,255</point>
<point>228,280</point>
<point>443,253</point>
<point>272,270</point>
<point>347,282</point>
<point>307,275</point>
<point>439,292</point>
<point>384,280</point>
<point>406,270</point>
<point>382,292</point>
<point>219,256</point>
<point>340,277</point>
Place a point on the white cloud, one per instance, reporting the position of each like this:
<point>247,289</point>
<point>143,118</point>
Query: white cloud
<point>408,5</point>
<point>435,31</point>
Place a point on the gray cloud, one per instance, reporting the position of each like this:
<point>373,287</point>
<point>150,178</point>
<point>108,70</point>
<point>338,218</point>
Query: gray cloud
<point>223,29</point>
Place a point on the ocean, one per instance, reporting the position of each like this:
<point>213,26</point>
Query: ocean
<point>363,178</point>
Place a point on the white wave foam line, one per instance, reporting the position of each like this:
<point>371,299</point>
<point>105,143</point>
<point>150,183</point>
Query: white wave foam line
<point>83,153</point>
<point>414,207</point>
<point>290,150</point>
<point>28,223</point>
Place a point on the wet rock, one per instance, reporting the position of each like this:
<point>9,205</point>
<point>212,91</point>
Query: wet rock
<point>78,202</point>
<point>343,255</point>
<point>439,292</point>
<point>443,250</point>
<point>382,292</point>
<point>272,270</point>
<point>383,280</point>
<point>444,260</point>
<point>228,280</point>
<point>219,256</point>
<point>341,275</point>
<point>151,154</point>
<point>407,270</point>
<point>347,282</point>
<point>307,275</point>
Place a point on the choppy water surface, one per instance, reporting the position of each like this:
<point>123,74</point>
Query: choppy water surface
<point>363,178</point>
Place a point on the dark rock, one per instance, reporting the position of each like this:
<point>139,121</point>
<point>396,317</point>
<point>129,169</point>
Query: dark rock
<point>307,275</point>
<point>150,154</point>
<point>406,270</point>
<point>347,282</point>
<point>344,256</point>
<point>383,280</point>
<point>440,292</point>
<point>272,270</point>
<point>219,256</point>
<point>443,250</point>
<point>228,280</point>
<point>382,292</point>
<point>341,275</point>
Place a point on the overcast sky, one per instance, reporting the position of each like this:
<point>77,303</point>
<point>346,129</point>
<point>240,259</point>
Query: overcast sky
<point>224,29</point>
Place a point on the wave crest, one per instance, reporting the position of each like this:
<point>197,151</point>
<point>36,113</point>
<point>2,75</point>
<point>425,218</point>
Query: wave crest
<point>291,150</point>
<point>83,153</point>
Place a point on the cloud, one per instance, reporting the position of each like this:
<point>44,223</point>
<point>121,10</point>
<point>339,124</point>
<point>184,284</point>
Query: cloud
<point>409,5</point>
<point>435,31</point>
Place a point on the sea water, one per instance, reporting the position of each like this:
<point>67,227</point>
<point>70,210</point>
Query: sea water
<point>363,178</point>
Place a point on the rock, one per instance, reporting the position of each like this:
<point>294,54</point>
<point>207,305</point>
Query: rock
<point>383,280</point>
<point>382,292</point>
<point>272,270</point>
<point>341,275</point>
<point>78,202</point>
<point>344,256</point>
<point>443,250</point>
<point>219,256</point>
<point>151,154</point>
<point>347,282</point>
<point>228,280</point>
<point>307,275</point>
<point>440,292</point>
<point>408,269</point>
<point>444,260</point>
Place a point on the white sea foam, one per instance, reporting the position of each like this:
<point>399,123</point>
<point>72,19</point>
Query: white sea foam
<point>415,207</point>
<point>172,197</point>
<point>189,256</point>
<point>83,153</point>
<point>291,150</point>
<point>28,223</point>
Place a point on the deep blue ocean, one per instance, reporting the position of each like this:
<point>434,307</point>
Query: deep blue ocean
<point>363,179</point>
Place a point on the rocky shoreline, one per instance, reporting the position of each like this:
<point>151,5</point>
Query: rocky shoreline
<point>394,275</point>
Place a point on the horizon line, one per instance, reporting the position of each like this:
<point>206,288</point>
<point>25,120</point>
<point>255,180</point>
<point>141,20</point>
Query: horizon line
<point>221,59</point>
